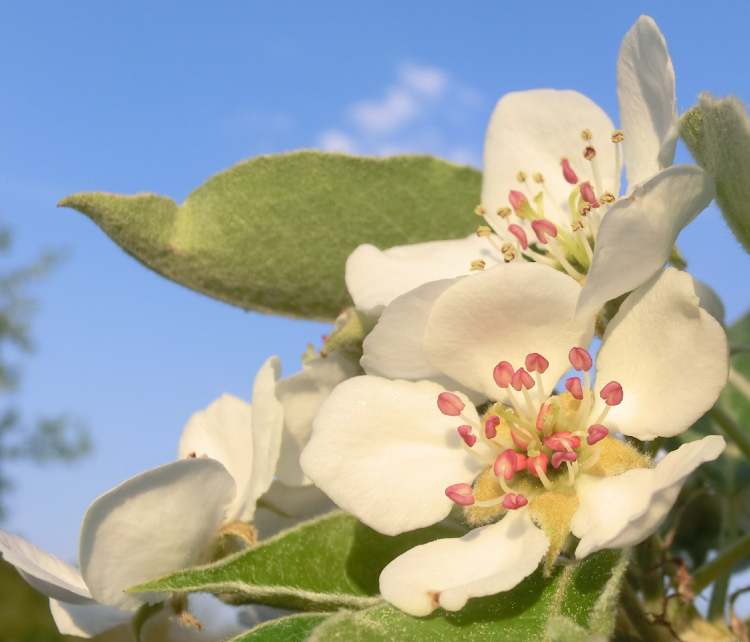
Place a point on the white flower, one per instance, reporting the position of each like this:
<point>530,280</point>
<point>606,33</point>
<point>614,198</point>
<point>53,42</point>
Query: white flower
<point>154,523</point>
<point>399,454</point>
<point>552,166</point>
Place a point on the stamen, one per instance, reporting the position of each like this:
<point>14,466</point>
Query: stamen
<point>514,501</point>
<point>580,359</point>
<point>461,494</point>
<point>506,464</point>
<point>480,211</point>
<point>490,427</point>
<point>517,200</point>
<point>535,362</point>
<point>504,212</point>
<point>618,136</point>
<point>573,386</point>
<point>544,410</point>
<point>503,374</point>
<point>586,135</point>
<point>560,456</point>
<point>520,234</point>
<point>608,198</point>
<point>596,433</point>
<point>543,228</point>
<point>563,441</point>
<point>568,174</point>
<point>537,465</point>
<point>612,393</point>
<point>538,177</point>
<point>522,379</point>
<point>484,231</point>
<point>450,404</point>
<point>521,176</point>
<point>478,265</point>
<point>521,439</point>
<point>467,435</point>
<point>589,152</point>
<point>587,193</point>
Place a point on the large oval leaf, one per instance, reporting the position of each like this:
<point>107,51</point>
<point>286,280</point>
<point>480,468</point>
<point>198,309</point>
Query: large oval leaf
<point>273,233</point>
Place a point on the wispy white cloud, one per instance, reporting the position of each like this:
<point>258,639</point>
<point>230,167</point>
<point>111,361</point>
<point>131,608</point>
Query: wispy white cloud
<point>424,110</point>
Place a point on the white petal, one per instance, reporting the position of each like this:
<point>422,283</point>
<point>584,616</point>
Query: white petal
<point>223,431</point>
<point>375,277</point>
<point>46,573</point>
<point>532,131</point>
<point>86,620</point>
<point>447,572</point>
<point>268,424</point>
<point>646,91</point>
<point>297,501</point>
<point>621,511</point>
<point>669,355</point>
<point>155,523</point>
<point>637,234</point>
<point>503,314</point>
<point>382,450</point>
<point>301,396</point>
<point>710,300</point>
<point>395,347</point>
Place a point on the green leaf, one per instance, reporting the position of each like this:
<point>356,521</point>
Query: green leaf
<point>717,132</point>
<point>293,628</point>
<point>322,564</point>
<point>530,612</point>
<point>273,233</point>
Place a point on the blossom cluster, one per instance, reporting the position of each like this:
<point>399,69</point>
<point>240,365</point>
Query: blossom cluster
<point>509,382</point>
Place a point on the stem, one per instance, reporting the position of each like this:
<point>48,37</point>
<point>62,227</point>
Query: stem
<point>722,564</point>
<point>717,604</point>
<point>732,430</point>
<point>647,630</point>
<point>652,579</point>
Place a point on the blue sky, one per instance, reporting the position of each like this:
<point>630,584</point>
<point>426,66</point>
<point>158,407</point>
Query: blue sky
<point>144,96</point>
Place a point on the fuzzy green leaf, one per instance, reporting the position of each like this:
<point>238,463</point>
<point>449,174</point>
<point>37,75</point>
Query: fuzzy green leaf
<point>273,233</point>
<point>717,132</point>
<point>532,611</point>
<point>323,564</point>
<point>293,628</point>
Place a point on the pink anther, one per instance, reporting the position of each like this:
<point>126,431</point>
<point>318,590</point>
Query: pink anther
<point>568,174</point>
<point>536,464</point>
<point>503,374</point>
<point>461,494</point>
<point>520,439</point>
<point>467,435</point>
<point>612,393</point>
<point>543,229</point>
<point>522,379</point>
<point>517,200</point>
<point>450,404</point>
<point>520,234</point>
<point>580,359</point>
<point>535,362</point>
<point>597,432</point>
<point>562,455</point>
<point>562,440</point>
<point>514,501</point>
<point>490,426</point>
<point>574,387</point>
<point>544,411</point>
<point>587,193</point>
<point>506,464</point>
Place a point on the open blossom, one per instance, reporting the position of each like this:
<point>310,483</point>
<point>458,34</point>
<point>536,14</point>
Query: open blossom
<point>541,462</point>
<point>551,189</point>
<point>173,516</point>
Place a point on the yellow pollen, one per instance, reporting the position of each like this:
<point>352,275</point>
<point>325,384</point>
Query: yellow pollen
<point>585,209</point>
<point>509,256</point>
<point>479,210</point>
<point>607,198</point>
<point>586,135</point>
<point>504,212</point>
<point>577,226</point>
<point>538,177</point>
<point>484,231</point>
<point>618,136</point>
<point>589,153</point>
<point>477,265</point>
<point>521,176</point>
<point>506,247</point>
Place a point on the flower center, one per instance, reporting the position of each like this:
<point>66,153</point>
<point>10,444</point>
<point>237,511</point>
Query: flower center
<point>522,231</point>
<point>550,438</point>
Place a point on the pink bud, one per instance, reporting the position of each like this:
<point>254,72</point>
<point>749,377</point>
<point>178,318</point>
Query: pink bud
<point>580,359</point>
<point>461,494</point>
<point>597,432</point>
<point>573,386</point>
<point>450,404</point>
<point>587,193</point>
<point>536,464</point>
<point>514,501</point>
<point>490,427</point>
<point>467,435</point>
<point>503,374</point>
<point>544,228</point>
<point>568,174</point>
<point>560,456</point>
<point>612,393</point>
<point>535,362</point>
<point>520,234</point>
<point>517,200</point>
<point>522,379</point>
<point>506,464</point>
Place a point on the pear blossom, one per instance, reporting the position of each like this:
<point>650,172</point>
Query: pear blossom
<point>540,462</point>
<point>551,189</point>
